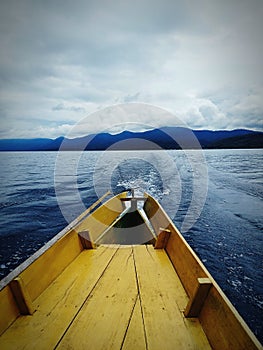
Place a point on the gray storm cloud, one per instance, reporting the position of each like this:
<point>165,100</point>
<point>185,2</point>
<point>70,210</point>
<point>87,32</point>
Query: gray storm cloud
<point>62,60</point>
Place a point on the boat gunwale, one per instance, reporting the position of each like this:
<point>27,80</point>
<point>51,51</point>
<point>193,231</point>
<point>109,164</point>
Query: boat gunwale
<point>24,265</point>
<point>215,285</point>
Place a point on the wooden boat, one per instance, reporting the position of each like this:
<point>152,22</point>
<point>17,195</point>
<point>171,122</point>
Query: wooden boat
<point>95,286</point>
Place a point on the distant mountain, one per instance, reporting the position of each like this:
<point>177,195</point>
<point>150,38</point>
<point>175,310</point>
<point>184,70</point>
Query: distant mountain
<point>163,138</point>
<point>254,140</point>
<point>39,144</point>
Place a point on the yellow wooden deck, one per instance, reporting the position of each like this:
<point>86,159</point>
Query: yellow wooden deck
<point>110,298</point>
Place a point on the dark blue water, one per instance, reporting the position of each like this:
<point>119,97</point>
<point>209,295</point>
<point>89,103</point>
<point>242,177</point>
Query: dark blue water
<point>215,198</point>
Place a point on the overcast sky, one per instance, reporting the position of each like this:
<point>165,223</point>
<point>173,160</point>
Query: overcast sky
<point>62,60</point>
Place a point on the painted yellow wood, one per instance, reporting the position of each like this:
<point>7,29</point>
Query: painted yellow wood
<point>162,238</point>
<point>127,298</point>
<point>224,326</point>
<point>195,304</point>
<point>102,217</point>
<point>57,306</point>
<point>94,303</point>
<point>86,240</point>
<point>187,265</point>
<point>185,261</point>
<point>22,297</point>
<point>93,206</point>
<point>161,294</point>
<point>156,214</point>
<point>219,318</point>
<point>48,266</point>
<point>135,336</point>
<point>218,322</point>
<point>8,308</point>
<point>103,320</point>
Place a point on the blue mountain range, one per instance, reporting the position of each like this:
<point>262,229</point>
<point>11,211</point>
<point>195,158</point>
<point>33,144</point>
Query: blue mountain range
<point>162,138</point>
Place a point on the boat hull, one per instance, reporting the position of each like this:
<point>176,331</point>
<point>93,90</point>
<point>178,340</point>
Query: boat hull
<point>93,286</point>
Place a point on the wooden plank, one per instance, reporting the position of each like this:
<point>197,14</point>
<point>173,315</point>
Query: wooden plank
<point>224,326</point>
<point>22,297</point>
<point>103,320</point>
<point>59,303</point>
<point>185,261</point>
<point>157,217</point>
<point>13,274</point>
<point>8,307</point>
<point>162,238</point>
<point>38,276</point>
<point>102,217</point>
<point>162,297</point>
<point>85,240</point>
<point>220,322</point>
<point>135,336</point>
<point>92,207</point>
<point>195,304</point>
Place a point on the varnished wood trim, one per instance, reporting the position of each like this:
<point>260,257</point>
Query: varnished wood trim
<point>195,304</point>
<point>21,296</point>
<point>85,240</point>
<point>162,238</point>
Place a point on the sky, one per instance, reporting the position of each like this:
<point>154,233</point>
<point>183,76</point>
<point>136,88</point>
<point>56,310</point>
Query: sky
<point>62,61</point>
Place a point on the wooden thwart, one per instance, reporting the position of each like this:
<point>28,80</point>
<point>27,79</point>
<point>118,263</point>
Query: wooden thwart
<point>85,240</point>
<point>162,238</point>
<point>22,297</point>
<point>195,304</point>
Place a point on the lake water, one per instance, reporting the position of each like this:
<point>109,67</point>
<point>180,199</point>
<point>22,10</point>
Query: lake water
<point>215,197</point>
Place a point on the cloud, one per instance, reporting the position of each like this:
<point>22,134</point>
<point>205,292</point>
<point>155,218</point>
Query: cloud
<point>61,61</point>
<point>63,107</point>
<point>131,98</point>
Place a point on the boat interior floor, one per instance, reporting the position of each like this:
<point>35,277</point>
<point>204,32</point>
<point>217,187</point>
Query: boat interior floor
<point>111,297</point>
